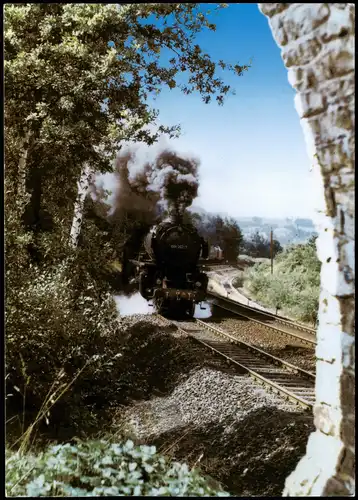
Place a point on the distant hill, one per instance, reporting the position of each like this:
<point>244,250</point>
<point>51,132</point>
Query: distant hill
<point>289,230</point>
<point>286,230</point>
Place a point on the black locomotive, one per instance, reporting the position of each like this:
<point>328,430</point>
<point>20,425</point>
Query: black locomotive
<point>168,268</point>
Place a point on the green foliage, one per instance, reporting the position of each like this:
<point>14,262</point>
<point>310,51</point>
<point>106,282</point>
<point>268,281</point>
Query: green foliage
<point>78,79</point>
<point>260,246</point>
<point>294,285</point>
<point>224,232</point>
<point>100,468</point>
<point>75,89</point>
<point>58,321</point>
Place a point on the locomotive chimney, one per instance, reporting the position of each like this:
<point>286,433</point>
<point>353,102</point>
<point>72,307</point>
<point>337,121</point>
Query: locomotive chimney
<point>176,216</point>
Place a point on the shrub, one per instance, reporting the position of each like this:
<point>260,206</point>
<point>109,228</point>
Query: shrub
<point>57,323</point>
<point>294,285</point>
<point>101,468</point>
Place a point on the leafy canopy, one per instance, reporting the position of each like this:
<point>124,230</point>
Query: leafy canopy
<point>82,95</point>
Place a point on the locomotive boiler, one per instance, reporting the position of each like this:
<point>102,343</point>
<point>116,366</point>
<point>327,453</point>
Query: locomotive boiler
<point>168,270</point>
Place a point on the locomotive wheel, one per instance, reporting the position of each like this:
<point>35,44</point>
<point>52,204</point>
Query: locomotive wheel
<point>163,307</point>
<point>177,309</point>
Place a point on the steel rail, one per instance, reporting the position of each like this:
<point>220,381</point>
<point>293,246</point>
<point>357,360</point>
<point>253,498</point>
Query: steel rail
<point>294,383</point>
<point>235,307</point>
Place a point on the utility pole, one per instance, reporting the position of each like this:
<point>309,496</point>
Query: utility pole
<point>271,249</point>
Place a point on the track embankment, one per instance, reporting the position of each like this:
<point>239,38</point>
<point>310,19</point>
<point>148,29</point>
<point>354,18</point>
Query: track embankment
<point>203,411</point>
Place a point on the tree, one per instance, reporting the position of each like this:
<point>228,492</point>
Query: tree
<point>259,246</point>
<point>312,241</point>
<point>224,232</point>
<point>277,247</point>
<point>231,238</point>
<point>78,78</point>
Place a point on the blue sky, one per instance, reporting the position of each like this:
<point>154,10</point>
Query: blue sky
<point>252,149</point>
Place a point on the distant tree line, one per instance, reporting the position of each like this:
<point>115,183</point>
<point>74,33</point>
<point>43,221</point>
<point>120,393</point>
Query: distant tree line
<point>219,231</point>
<point>260,246</point>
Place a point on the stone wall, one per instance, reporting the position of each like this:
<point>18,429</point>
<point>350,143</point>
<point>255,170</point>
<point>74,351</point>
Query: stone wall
<point>317,47</point>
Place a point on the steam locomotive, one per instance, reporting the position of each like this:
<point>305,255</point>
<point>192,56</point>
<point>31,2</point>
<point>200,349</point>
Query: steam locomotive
<point>168,271</point>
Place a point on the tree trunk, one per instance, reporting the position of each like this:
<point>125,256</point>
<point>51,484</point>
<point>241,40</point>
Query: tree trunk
<point>83,187</point>
<point>23,197</point>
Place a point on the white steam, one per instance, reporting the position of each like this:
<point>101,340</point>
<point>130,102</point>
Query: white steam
<point>203,313</point>
<point>135,304</point>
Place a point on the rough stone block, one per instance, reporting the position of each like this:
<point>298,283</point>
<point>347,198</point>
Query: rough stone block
<point>347,391</point>
<point>347,306</point>
<point>311,104</point>
<point>348,432</point>
<point>327,127</point>
<point>314,470</point>
<point>347,460</point>
<point>341,180</point>
<point>345,201</point>
<point>301,54</point>
<point>336,487</point>
<point>329,252</point>
<point>338,283</point>
<point>337,61</point>
<point>302,79</point>
<point>329,65</point>
<point>271,9</point>
<point>299,20</point>
<point>329,344</point>
<point>330,314</point>
<point>328,388</point>
<point>334,156</point>
<point>327,420</point>
<point>339,24</point>
<point>339,90</point>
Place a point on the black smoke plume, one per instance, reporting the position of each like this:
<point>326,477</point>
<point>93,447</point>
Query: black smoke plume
<point>176,179</point>
<point>170,182</point>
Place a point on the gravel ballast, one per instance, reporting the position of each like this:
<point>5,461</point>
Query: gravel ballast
<point>275,343</point>
<point>207,414</point>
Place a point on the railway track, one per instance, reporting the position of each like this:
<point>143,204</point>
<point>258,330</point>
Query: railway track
<point>218,268</point>
<point>304,334</point>
<point>277,375</point>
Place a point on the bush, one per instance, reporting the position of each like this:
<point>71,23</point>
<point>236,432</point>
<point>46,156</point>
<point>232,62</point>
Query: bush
<point>294,285</point>
<point>58,324</point>
<point>100,468</point>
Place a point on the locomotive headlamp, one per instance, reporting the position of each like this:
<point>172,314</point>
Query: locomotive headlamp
<point>198,284</point>
<point>159,281</point>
